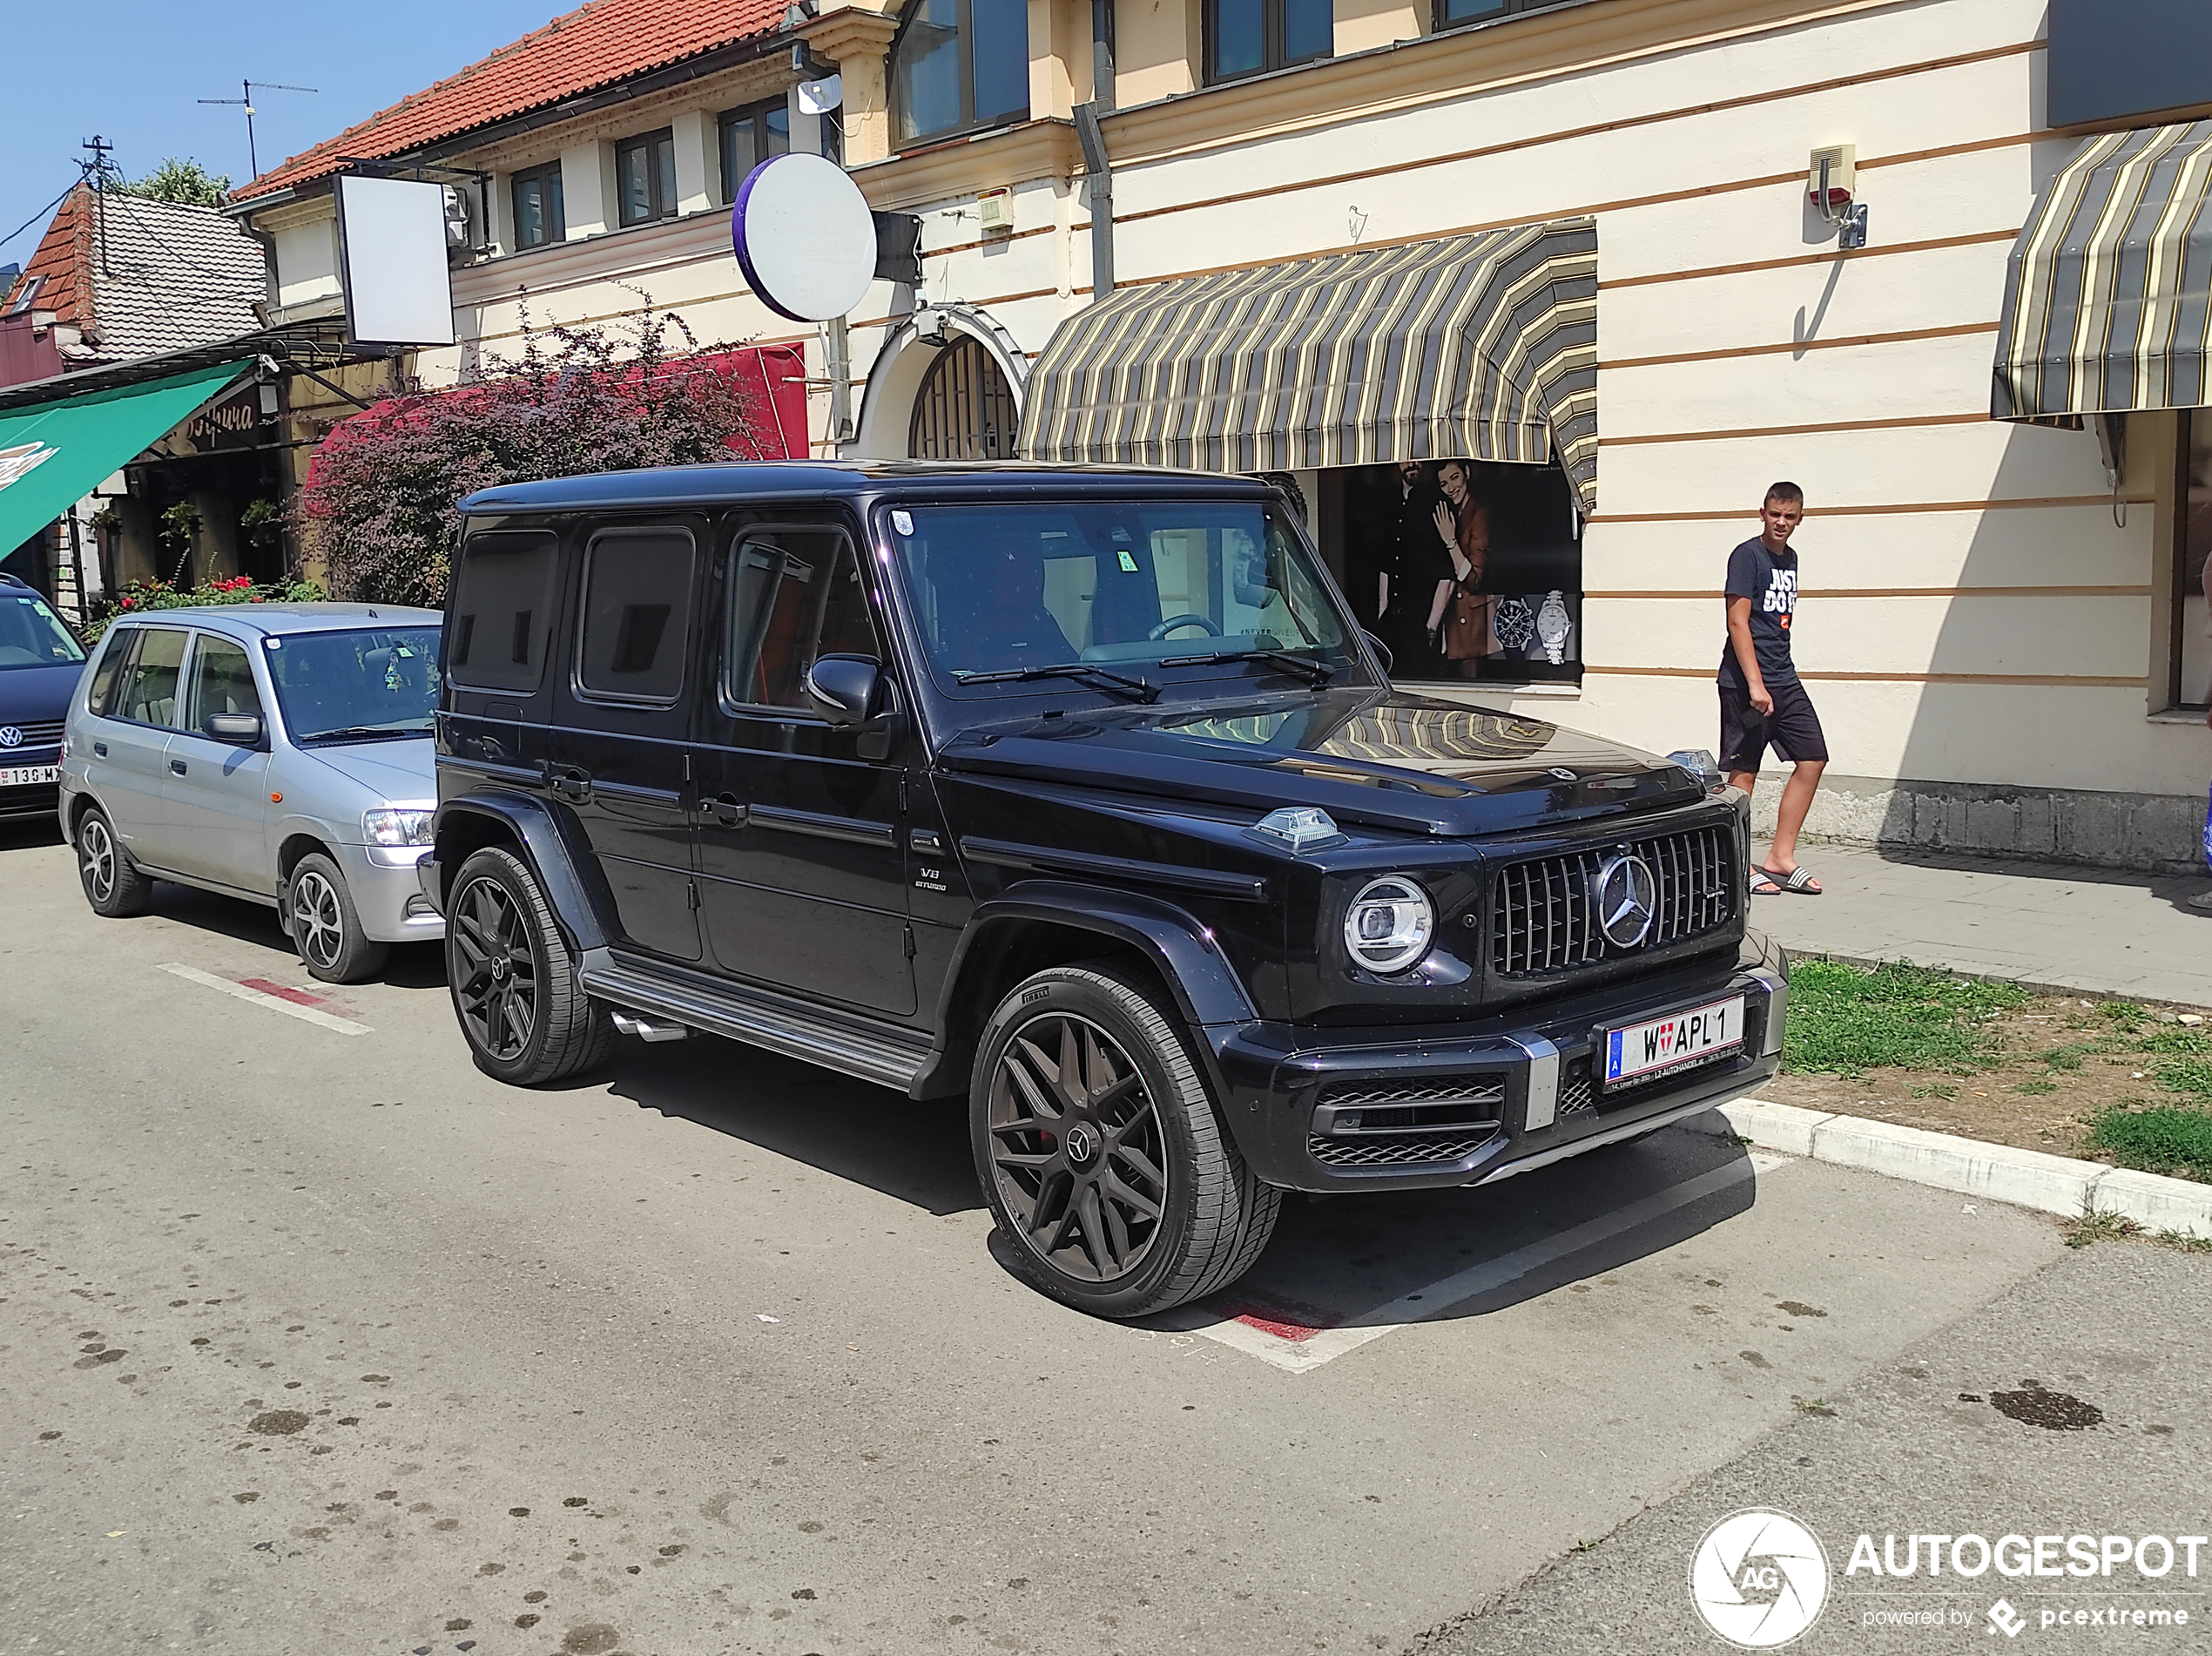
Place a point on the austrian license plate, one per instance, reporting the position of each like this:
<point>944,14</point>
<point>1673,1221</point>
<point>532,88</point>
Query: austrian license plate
<point>29,775</point>
<point>1644,1052</point>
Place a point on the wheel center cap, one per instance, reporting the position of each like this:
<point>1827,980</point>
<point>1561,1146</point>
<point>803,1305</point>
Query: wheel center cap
<point>500,966</point>
<point>1082,1145</point>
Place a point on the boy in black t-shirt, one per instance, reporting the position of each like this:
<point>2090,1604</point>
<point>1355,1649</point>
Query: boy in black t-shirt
<point>1763,703</point>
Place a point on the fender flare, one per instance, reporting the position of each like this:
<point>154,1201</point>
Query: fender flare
<point>570,874</point>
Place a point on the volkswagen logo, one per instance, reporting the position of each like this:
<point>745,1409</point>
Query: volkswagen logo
<point>10,736</point>
<point>1627,899</point>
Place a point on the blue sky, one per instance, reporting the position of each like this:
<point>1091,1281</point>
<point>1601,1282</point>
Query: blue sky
<point>137,68</point>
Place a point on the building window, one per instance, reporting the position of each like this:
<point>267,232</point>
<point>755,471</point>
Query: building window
<point>964,408</point>
<point>957,64</point>
<point>2189,679</point>
<point>539,217</point>
<point>645,176</point>
<point>1252,37</point>
<point>1450,13</point>
<point>751,136</point>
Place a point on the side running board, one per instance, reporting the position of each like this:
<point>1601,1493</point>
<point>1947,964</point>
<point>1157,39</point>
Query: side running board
<point>887,1056</point>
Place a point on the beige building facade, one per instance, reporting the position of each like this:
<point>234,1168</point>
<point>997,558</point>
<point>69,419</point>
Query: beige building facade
<point>1997,618</point>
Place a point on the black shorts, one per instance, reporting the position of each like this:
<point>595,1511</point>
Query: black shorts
<point>1792,730</point>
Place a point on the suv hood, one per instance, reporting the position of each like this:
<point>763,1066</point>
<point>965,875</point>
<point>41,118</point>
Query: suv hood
<point>1382,758</point>
<point>37,695</point>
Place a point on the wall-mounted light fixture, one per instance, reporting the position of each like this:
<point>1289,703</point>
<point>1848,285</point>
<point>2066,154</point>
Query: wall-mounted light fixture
<point>1831,182</point>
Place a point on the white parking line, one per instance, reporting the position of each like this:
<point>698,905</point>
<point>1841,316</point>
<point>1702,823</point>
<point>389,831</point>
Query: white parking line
<point>275,1004</point>
<point>1303,1350</point>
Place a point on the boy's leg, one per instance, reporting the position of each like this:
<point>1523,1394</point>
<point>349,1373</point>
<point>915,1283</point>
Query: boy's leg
<point>1799,737</point>
<point>1789,817</point>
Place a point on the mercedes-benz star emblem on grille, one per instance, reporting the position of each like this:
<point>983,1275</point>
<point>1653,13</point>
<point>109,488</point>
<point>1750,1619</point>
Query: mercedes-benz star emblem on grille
<point>10,736</point>
<point>1628,895</point>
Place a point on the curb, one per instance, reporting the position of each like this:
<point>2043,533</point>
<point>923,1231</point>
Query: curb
<point>2023,1178</point>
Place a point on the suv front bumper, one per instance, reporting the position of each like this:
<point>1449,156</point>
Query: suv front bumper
<point>1436,1105</point>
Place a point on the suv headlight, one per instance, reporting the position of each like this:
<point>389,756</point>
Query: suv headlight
<point>398,827</point>
<point>1390,924</point>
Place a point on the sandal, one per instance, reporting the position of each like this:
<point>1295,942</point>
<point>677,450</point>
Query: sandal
<point>1763,884</point>
<point>1797,880</point>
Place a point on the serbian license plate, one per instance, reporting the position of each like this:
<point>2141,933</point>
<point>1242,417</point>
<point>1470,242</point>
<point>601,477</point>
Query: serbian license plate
<point>29,775</point>
<point>1677,1041</point>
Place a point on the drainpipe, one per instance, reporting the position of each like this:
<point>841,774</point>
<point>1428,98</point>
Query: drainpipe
<point>1100,196</point>
<point>1102,53</point>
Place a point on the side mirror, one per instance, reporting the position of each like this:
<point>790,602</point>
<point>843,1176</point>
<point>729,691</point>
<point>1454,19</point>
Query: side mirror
<point>1381,650</point>
<point>846,688</point>
<point>240,729</point>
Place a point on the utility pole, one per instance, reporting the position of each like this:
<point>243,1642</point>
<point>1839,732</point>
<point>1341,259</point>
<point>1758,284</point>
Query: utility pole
<point>97,171</point>
<point>252,155</point>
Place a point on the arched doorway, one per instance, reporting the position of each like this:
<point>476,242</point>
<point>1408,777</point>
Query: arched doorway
<point>964,410</point>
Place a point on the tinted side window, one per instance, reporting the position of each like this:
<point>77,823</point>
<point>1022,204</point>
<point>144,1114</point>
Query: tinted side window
<point>117,645</point>
<point>502,609</point>
<point>148,695</point>
<point>222,681</point>
<point>637,613</point>
<point>797,595</point>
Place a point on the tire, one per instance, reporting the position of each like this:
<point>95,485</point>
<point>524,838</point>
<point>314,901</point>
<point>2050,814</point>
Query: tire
<point>515,993</point>
<point>1140,1202</point>
<point>324,926</point>
<point>112,884</point>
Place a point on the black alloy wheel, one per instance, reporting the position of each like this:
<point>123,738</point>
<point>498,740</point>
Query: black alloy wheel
<point>1077,1148</point>
<point>496,989</point>
<point>1115,1186</point>
<point>513,978</point>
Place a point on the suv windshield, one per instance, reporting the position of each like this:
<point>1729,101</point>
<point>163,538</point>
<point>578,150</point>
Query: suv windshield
<point>1003,589</point>
<point>31,635</point>
<point>378,684</point>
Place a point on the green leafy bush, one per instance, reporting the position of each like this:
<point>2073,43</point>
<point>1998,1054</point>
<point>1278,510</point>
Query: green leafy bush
<point>159,595</point>
<point>1845,1020</point>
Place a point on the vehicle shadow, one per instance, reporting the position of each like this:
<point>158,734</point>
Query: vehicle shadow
<point>870,1135</point>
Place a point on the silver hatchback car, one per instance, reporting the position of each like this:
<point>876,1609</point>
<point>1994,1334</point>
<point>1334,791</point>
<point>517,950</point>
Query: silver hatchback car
<point>280,753</point>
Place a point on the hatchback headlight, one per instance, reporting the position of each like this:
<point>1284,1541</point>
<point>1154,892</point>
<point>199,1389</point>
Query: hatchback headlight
<point>398,827</point>
<point>1390,924</point>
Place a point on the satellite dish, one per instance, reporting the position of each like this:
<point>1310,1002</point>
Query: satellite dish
<point>805,237</point>
<point>820,97</point>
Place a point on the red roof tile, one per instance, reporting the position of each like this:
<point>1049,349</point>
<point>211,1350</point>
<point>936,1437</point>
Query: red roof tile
<point>64,257</point>
<point>596,45</point>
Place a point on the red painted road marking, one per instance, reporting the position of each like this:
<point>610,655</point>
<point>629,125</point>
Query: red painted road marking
<point>297,997</point>
<point>1284,1319</point>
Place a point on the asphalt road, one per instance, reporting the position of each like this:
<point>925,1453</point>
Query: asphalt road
<point>313,1340</point>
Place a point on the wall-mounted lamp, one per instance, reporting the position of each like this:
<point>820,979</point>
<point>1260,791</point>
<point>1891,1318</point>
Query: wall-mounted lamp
<point>1832,180</point>
<point>931,329</point>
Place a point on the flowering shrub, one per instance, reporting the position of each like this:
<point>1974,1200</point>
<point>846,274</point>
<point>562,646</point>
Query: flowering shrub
<point>379,501</point>
<point>159,595</point>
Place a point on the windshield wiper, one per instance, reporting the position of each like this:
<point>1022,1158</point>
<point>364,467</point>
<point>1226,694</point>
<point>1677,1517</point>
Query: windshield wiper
<point>1137,689</point>
<point>363,732</point>
<point>1315,673</point>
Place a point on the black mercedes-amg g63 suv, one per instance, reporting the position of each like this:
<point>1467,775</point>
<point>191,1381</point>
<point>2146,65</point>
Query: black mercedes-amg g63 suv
<point>1079,795</point>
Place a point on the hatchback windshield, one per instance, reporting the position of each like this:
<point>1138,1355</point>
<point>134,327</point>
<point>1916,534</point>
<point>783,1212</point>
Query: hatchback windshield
<point>1004,589</point>
<point>31,635</point>
<point>377,684</point>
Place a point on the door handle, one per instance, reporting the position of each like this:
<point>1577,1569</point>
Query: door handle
<point>575,785</point>
<point>729,810</point>
<point>177,767</point>
<point>100,748</point>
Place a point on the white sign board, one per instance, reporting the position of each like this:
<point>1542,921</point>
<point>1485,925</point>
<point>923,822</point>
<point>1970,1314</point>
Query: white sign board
<point>392,261</point>
<point>805,237</point>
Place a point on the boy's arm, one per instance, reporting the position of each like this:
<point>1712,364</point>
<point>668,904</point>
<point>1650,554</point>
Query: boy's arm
<point>1747,655</point>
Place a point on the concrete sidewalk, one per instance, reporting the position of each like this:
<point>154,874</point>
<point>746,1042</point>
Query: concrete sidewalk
<point>2051,926</point>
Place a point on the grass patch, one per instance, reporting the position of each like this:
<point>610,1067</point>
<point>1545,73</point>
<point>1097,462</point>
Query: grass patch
<point>2120,1012</point>
<point>2099,1228</point>
<point>1845,1020</point>
<point>2176,1041</point>
<point>2036,1086</point>
<point>2162,1139</point>
<point>2188,1075</point>
<point>1942,1090</point>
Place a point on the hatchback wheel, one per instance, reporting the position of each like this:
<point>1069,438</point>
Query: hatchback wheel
<point>112,884</point>
<point>522,1011</point>
<point>318,913</point>
<point>1101,1151</point>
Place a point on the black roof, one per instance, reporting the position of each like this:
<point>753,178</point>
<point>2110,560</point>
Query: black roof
<point>722,485</point>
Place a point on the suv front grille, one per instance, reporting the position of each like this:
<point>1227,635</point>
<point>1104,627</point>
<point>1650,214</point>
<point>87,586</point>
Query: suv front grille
<point>37,734</point>
<point>1542,920</point>
<point>1381,1124</point>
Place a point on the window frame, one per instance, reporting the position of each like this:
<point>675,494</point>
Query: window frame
<point>581,690</point>
<point>449,632</point>
<point>651,143</point>
<point>2173,684</point>
<point>202,642</point>
<point>725,688</point>
<point>1440,24</point>
<point>131,665</point>
<point>758,111</point>
<point>969,122</point>
<point>544,174</point>
<point>1275,31</point>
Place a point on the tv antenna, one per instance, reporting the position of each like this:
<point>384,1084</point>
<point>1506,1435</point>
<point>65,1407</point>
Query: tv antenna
<point>253,158</point>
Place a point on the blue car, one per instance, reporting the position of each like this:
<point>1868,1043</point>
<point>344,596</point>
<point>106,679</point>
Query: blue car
<point>40,661</point>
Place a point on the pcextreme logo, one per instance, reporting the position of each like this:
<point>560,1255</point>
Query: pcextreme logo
<point>1759,1578</point>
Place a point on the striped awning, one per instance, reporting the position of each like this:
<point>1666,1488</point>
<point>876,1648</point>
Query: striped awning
<point>1479,345</point>
<point>2106,294</point>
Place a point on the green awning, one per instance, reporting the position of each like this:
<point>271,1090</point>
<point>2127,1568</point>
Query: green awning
<point>54,455</point>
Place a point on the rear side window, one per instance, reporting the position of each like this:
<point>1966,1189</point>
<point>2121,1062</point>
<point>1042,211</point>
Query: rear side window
<point>796,597</point>
<point>148,692</point>
<point>118,646</point>
<point>637,613</point>
<point>502,609</point>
